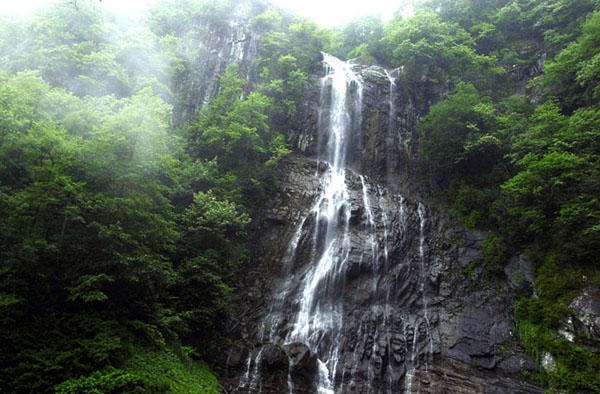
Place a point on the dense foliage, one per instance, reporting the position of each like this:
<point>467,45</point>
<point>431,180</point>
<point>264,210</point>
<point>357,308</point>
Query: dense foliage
<point>120,230</point>
<point>123,224</point>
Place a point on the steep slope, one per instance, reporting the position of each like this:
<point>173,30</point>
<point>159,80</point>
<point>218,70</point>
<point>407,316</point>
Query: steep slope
<point>358,284</point>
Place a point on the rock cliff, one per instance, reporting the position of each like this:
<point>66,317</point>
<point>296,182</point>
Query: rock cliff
<point>404,304</point>
<point>208,49</point>
<point>468,342</point>
<point>416,315</point>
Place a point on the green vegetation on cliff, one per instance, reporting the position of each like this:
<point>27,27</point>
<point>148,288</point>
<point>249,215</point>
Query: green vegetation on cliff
<point>511,144</point>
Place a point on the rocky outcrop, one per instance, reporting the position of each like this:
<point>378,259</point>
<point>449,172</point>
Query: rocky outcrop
<point>386,149</point>
<point>584,317</point>
<point>418,315</point>
<point>209,47</point>
<point>585,309</point>
<point>457,338</point>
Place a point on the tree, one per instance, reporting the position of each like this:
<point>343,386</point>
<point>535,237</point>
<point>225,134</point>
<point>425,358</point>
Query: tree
<point>211,249</point>
<point>573,77</point>
<point>457,137</point>
<point>237,132</point>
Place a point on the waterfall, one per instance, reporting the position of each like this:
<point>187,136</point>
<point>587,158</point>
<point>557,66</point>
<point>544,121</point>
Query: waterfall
<point>318,322</point>
<point>319,317</point>
<point>354,228</point>
<point>424,321</point>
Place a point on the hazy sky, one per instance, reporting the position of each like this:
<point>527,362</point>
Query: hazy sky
<point>324,12</point>
<point>337,12</point>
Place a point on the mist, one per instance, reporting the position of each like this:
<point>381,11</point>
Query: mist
<point>327,14</point>
<point>129,8</point>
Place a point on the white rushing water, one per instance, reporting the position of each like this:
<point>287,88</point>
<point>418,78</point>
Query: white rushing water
<point>391,98</point>
<point>318,322</point>
<point>319,317</point>
<point>308,306</point>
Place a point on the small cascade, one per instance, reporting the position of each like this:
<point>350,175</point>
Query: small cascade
<point>371,229</point>
<point>391,137</point>
<point>290,383</point>
<point>385,223</point>
<point>256,378</point>
<point>422,221</point>
<point>402,215</point>
<point>291,251</point>
<point>423,280</point>
<point>388,311</point>
<point>227,363</point>
<point>325,386</point>
<point>251,378</point>
<point>391,99</point>
<point>421,325</point>
<point>245,379</point>
<point>412,367</point>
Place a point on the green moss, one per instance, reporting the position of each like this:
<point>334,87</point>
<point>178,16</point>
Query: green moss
<point>469,270</point>
<point>501,349</point>
<point>495,254</point>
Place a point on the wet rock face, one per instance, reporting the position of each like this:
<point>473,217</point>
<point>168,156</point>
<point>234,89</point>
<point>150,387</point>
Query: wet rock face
<point>387,146</point>
<point>418,315</point>
<point>411,310</point>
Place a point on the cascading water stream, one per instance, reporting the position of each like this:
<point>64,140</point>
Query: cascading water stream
<point>423,279</point>
<point>411,372</point>
<point>319,317</point>
<point>391,98</point>
<point>387,310</point>
<point>318,322</point>
<point>370,227</point>
<point>345,233</point>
